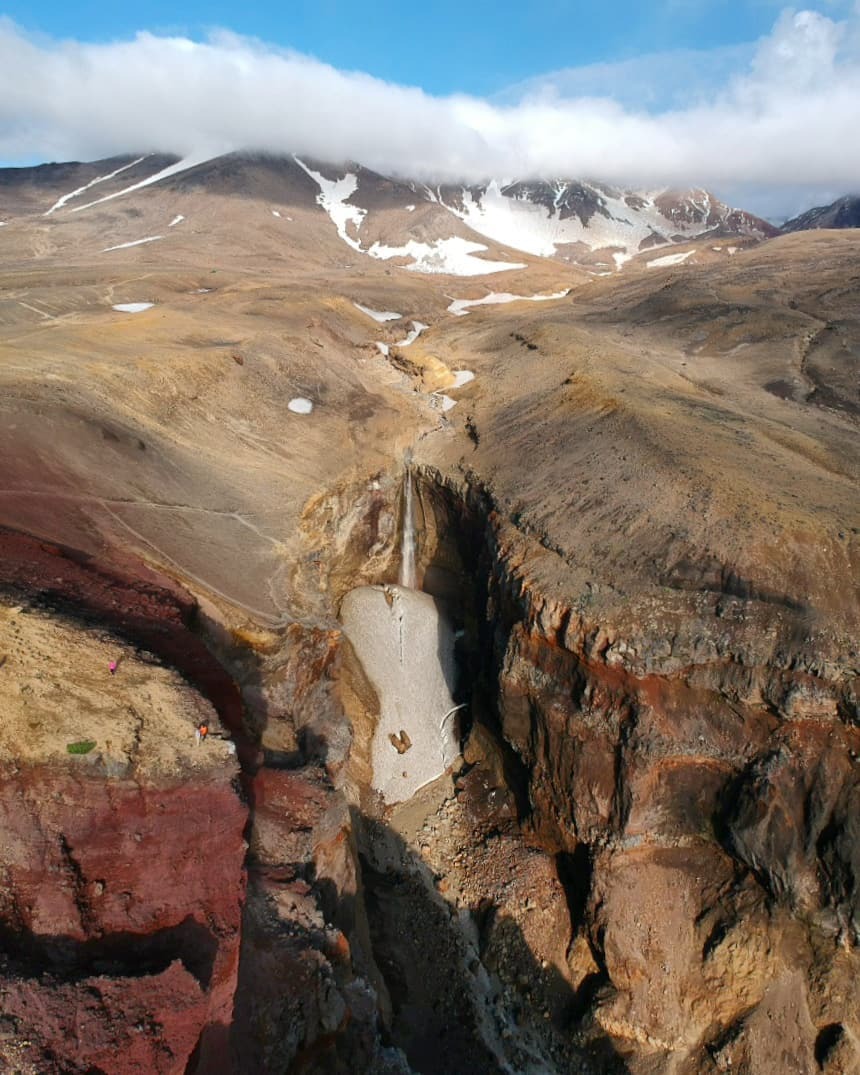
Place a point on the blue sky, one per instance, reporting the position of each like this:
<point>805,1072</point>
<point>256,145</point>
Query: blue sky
<point>753,99</point>
<point>445,46</point>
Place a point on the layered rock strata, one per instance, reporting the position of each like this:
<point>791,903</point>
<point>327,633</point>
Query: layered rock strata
<point>123,861</point>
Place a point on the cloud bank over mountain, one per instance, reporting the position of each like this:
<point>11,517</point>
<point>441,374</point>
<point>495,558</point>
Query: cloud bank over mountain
<point>775,118</point>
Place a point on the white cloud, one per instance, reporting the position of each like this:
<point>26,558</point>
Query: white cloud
<point>787,118</point>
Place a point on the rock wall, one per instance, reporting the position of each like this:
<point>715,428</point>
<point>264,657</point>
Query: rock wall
<point>699,768</point>
<point>120,917</point>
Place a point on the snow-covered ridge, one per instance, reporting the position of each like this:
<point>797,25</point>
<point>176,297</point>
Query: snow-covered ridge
<point>540,217</point>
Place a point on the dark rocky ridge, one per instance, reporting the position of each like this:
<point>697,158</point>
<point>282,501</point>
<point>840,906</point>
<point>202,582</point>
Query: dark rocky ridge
<point>843,213</point>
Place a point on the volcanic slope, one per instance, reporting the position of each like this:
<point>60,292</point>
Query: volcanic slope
<point>642,492</point>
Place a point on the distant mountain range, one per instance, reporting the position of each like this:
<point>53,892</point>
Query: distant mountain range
<point>843,213</point>
<point>425,228</point>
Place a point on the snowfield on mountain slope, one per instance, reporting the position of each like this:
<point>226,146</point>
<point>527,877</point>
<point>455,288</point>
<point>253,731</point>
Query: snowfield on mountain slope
<point>378,315</point>
<point>333,197</point>
<point>61,201</point>
<point>460,307</point>
<point>453,256</point>
<point>134,242</point>
<point>537,229</point>
<point>165,173</point>
<point>669,259</point>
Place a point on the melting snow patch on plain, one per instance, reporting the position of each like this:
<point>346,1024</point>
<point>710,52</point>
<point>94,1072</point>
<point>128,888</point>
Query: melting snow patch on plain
<point>176,220</point>
<point>460,307</point>
<point>134,242</point>
<point>60,202</point>
<point>378,315</point>
<point>669,259</point>
<point>300,405</point>
<point>454,256</point>
<point>132,307</point>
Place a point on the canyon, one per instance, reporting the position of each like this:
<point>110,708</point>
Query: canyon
<point>626,689</point>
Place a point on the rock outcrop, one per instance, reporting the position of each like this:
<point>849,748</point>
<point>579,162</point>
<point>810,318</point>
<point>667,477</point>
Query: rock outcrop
<point>123,861</point>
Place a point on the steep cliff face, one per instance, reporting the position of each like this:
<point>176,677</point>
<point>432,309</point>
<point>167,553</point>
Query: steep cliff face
<point>697,778</point>
<point>123,857</point>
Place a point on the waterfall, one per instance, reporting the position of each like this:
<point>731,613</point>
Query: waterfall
<point>407,552</point>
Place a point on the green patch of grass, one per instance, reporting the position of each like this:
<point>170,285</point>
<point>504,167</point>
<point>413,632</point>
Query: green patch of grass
<point>82,746</point>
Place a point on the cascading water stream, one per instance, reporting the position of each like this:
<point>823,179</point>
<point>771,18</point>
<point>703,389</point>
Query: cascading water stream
<point>407,551</point>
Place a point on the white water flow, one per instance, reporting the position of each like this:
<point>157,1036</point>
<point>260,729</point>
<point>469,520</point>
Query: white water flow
<point>407,552</point>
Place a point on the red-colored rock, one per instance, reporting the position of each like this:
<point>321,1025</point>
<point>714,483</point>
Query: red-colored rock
<point>121,911</point>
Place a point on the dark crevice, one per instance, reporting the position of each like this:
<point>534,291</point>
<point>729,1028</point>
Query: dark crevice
<point>574,873</point>
<point>826,1041</point>
<point>114,955</point>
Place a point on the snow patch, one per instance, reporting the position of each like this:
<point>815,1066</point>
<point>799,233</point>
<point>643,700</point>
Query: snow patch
<point>134,242</point>
<point>132,307</point>
<point>462,377</point>
<point>176,220</point>
<point>416,330</point>
<point>60,202</point>
<point>383,348</point>
<point>442,402</point>
<point>460,307</point>
<point>378,315</point>
<point>539,228</point>
<point>172,169</point>
<point>732,250</point>
<point>300,405</point>
<point>275,213</point>
<point>454,256</point>
<point>670,259</point>
<point>333,197</point>
<point>410,208</point>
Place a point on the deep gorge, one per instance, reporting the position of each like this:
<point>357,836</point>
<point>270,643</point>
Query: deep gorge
<point>629,861</point>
